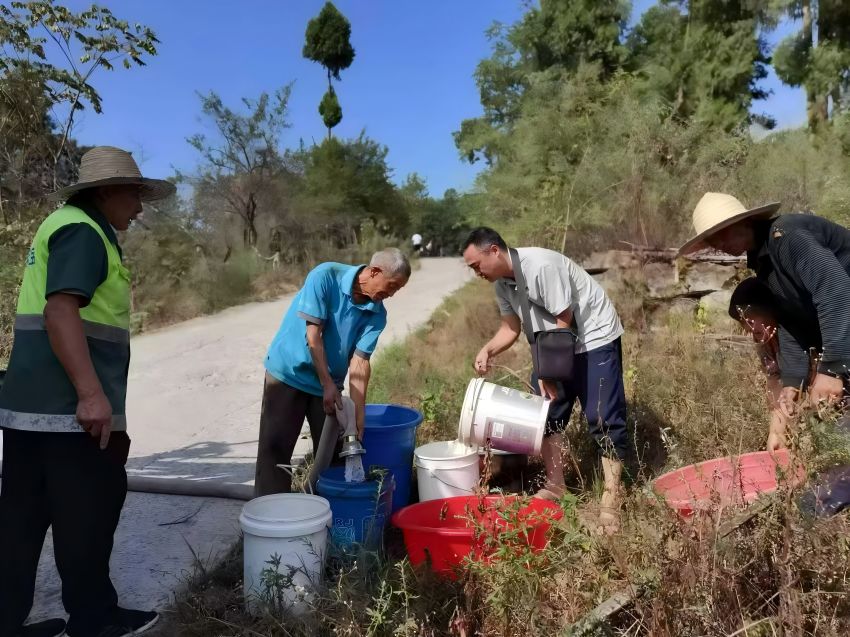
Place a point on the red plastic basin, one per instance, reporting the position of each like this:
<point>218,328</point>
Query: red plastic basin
<point>736,480</point>
<point>443,530</point>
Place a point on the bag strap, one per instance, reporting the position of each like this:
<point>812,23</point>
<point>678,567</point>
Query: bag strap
<point>524,303</point>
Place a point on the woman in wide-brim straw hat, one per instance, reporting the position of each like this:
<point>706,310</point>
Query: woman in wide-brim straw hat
<point>65,442</point>
<point>805,262</point>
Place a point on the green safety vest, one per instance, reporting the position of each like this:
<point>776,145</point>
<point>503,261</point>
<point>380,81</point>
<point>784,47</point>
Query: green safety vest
<point>105,318</point>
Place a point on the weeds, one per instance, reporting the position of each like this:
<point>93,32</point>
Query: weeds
<point>767,569</point>
<point>273,586</point>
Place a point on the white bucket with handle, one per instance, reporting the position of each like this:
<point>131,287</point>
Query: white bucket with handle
<point>445,469</point>
<point>512,420</point>
<point>286,537</point>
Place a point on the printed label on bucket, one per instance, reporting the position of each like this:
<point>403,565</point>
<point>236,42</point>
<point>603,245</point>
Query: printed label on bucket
<point>508,436</point>
<point>342,531</point>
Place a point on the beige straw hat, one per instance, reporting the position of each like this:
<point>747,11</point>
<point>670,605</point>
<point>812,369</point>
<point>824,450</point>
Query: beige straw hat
<point>108,166</point>
<point>716,211</point>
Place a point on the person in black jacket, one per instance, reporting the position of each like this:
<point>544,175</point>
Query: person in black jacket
<point>805,262</point>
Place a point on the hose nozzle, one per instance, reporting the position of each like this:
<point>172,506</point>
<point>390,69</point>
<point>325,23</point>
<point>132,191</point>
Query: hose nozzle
<point>351,447</point>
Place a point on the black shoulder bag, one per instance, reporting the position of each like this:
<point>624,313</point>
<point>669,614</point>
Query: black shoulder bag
<point>552,351</point>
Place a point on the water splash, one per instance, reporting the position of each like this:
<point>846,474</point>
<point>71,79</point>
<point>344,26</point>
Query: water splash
<point>354,469</point>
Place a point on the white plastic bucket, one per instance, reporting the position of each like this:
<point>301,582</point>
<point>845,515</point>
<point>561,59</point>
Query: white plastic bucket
<point>513,420</point>
<point>445,469</point>
<point>293,527</point>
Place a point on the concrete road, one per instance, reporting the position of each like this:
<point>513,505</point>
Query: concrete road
<point>193,412</point>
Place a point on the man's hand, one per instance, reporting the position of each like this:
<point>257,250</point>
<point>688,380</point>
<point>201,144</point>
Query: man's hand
<point>826,388</point>
<point>787,402</point>
<point>776,439</point>
<point>482,362</point>
<point>332,399</point>
<point>94,413</point>
<point>776,442</point>
<point>548,389</point>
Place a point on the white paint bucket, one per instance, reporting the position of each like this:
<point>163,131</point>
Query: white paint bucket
<point>512,420</point>
<point>291,527</point>
<point>445,469</point>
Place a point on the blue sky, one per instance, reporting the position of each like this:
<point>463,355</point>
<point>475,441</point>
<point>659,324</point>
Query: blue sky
<point>410,85</point>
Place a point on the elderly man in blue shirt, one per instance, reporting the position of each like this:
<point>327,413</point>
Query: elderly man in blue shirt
<point>329,331</point>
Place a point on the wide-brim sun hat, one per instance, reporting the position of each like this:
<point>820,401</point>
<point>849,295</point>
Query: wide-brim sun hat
<point>716,211</point>
<point>110,166</point>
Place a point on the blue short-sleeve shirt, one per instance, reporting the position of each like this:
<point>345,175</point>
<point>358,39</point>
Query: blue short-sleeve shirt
<point>348,328</point>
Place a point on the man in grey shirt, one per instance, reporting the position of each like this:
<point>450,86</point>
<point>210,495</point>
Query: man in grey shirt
<point>562,295</point>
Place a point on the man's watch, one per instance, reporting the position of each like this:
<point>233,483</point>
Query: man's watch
<point>829,372</point>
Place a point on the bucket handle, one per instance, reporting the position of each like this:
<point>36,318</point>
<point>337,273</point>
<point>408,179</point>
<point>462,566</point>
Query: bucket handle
<point>439,479</point>
<point>478,390</point>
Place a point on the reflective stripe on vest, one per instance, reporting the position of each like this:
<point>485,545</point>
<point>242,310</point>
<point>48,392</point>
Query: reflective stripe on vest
<point>92,330</point>
<point>51,423</point>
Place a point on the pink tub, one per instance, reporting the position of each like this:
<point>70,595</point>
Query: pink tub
<point>732,481</point>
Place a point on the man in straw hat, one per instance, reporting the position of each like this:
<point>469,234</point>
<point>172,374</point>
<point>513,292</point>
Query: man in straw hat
<point>805,262</point>
<point>62,404</point>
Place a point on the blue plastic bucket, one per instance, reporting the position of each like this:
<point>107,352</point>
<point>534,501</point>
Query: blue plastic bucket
<point>359,510</point>
<point>389,438</point>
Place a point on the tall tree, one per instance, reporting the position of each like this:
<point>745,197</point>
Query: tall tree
<point>59,51</point>
<point>703,57</point>
<point>328,42</point>
<point>414,188</point>
<point>817,57</point>
<point>557,35</point>
<point>347,183</point>
<point>243,157</point>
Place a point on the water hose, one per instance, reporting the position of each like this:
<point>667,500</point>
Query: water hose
<point>341,425</point>
<point>186,486</point>
<point>233,490</point>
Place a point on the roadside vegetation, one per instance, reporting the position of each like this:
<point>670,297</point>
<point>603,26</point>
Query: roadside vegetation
<point>775,571</point>
<point>595,131</point>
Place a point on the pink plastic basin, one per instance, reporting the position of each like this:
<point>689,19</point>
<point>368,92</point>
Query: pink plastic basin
<point>736,480</point>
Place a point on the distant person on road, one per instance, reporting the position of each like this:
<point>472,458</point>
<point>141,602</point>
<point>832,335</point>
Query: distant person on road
<point>804,261</point>
<point>416,240</point>
<point>330,330</point>
<point>62,414</point>
<point>561,295</point>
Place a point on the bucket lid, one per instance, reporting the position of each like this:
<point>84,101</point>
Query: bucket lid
<point>445,450</point>
<point>285,515</point>
<point>467,412</point>
<point>332,483</point>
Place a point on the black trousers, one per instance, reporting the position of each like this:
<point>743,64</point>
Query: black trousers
<point>283,412</point>
<point>66,481</point>
<point>598,385</point>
